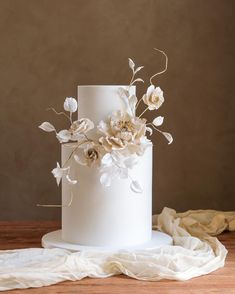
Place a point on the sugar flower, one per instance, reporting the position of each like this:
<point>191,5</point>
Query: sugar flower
<point>59,172</point>
<point>89,154</point>
<point>153,97</point>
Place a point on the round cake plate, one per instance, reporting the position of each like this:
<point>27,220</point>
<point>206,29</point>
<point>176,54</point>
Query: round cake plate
<point>54,240</point>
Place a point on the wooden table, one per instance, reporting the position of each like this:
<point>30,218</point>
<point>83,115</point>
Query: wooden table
<point>28,234</point>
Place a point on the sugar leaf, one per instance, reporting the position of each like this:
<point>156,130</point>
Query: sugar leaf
<point>135,187</point>
<point>158,121</point>
<point>131,64</point>
<point>47,127</point>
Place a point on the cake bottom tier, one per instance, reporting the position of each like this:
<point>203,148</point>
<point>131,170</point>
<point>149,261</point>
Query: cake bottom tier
<point>107,216</point>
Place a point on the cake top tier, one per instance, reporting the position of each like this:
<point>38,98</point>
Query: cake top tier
<point>98,101</point>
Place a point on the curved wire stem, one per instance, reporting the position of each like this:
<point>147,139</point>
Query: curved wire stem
<point>143,112</point>
<point>58,205</point>
<point>138,103</point>
<point>59,113</point>
<point>164,70</point>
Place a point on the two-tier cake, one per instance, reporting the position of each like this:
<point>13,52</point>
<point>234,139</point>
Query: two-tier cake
<point>106,167</point>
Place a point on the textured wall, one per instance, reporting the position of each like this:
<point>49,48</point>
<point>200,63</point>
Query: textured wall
<point>49,47</point>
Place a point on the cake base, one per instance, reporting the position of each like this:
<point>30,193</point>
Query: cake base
<point>54,240</point>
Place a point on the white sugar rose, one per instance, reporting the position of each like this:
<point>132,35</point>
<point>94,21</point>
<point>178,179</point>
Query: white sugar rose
<point>76,131</point>
<point>81,126</point>
<point>89,154</point>
<point>153,97</point>
<point>70,104</point>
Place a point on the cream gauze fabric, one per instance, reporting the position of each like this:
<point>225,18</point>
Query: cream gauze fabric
<point>195,252</point>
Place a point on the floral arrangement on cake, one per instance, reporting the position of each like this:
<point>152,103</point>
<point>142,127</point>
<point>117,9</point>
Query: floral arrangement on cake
<point>122,135</point>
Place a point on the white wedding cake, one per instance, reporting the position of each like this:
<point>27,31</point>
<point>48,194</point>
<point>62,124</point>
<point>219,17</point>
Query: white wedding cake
<point>106,168</point>
<point>105,216</point>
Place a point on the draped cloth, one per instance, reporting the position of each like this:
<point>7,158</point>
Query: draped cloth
<point>195,252</point>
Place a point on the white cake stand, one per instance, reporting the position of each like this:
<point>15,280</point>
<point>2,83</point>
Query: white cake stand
<point>54,240</point>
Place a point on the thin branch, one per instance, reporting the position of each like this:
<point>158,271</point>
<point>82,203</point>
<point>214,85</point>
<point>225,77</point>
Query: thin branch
<point>132,78</point>
<point>155,128</point>
<point>164,70</point>
<point>143,112</point>
<point>71,154</point>
<point>59,113</point>
<point>58,205</point>
<point>70,117</point>
<point>138,103</point>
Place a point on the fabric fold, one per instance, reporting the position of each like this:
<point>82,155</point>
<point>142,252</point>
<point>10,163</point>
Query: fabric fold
<point>195,252</point>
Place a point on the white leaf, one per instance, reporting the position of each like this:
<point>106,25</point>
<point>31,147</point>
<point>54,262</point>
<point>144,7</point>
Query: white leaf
<point>80,160</point>
<point>135,187</point>
<point>131,161</point>
<point>77,137</point>
<point>131,64</point>
<point>138,69</point>
<point>137,80</point>
<point>70,104</point>
<point>132,104</point>
<point>158,121</point>
<point>72,182</point>
<point>107,159</point>
<point>117,156</point>
<point>123,92</point>
<point>58,172</point>
<point>148,129</point>
<point>168,136</point>
<point>105,179</point>
<point>63,136</point>
<point>47,127</point>
<point>122,173</point>
<point>103,127</point>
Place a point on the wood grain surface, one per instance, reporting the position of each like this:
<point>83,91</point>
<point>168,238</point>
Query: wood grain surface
<point>28,234</point>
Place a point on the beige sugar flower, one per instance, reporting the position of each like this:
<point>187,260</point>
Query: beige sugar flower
<point>112,143</point>
<point>153,97</point>
<point>121,130</point>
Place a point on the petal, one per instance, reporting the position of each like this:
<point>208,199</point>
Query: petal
<point>103,127</point>
<point>63,136</point>
<point>135,187</point>
<point>57,174</point>
<point>80,159</point>
<point>72,182</point>
<point>150,90</point>
<point>107,159</point>
<point>131,161</point>
<point>47,127</point>
<point>123,92</point>
<point>168,136</point>
<point>132,102</point>
<point>77,137</point>
<point>148,129</point>
<point>158,121</point>
<point>122,173</point>
<point>105,179</point>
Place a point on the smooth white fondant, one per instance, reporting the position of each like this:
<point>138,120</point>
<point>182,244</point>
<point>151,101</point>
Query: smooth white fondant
<point>99,216</point>
<point>54,240</point>
<point>98,102</point>
<point>107,216</point>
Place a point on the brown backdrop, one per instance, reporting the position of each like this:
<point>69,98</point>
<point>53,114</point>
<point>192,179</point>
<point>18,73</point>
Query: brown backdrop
<point>49,47</point>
